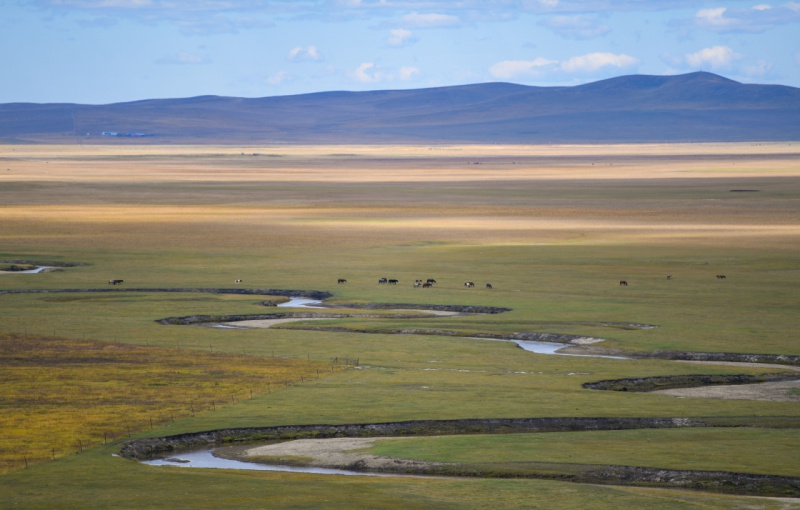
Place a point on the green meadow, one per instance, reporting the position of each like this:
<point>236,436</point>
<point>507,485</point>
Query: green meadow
<point>552,233</point>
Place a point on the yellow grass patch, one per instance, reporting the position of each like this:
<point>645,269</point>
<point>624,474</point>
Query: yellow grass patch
<point>60,396</point>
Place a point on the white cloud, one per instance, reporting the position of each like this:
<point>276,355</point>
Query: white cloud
<point>713,18</point>
<point>716,57</point>
<point>368,72</point>
<point>595,61</point>
<point>758,69</point>
<point>300,54</point>
<point>278,78</point>
<point>365,73</point>
<point>408,73</point>
<point>399,37</point>
<point>510,69</point>
<point>431,20</point>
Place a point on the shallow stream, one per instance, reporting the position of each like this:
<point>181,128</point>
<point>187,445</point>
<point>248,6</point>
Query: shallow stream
<point>206,459</point>
<point>552,348</point>
<point>300,302</point>
<point>30,271</point>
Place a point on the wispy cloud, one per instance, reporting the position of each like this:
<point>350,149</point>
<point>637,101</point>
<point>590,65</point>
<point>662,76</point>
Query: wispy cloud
<point>589,63</point>
<point>722,59</point>
<point>594,61</point>
<point>755,19</point>
<point>400,37</point>
<point>369,72</point>
<point>512,69</point>
<point>408,73</point>
<point>715,58</point>
<point>278,78</point>
<point>304,54</point>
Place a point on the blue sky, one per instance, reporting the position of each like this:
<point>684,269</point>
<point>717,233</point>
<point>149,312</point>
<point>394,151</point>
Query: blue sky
<point>106,51</point>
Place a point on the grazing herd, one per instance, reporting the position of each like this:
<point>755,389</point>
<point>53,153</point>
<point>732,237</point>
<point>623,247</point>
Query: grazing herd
<point>624,283</point>
<point>429,282</point>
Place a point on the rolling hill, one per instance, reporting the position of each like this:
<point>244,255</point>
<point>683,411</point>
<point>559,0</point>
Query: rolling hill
<point>695,107</point>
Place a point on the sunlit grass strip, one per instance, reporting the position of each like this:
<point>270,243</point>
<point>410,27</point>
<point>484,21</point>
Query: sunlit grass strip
<point>60,396</point>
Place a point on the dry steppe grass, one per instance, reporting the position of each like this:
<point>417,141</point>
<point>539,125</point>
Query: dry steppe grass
<point>131,196</point>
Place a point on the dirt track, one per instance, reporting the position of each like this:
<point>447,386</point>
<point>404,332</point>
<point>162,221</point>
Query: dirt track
<point>768,391</point>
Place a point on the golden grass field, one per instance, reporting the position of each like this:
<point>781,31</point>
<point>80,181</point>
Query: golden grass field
<point>514,194</point>
<point>553,228</point>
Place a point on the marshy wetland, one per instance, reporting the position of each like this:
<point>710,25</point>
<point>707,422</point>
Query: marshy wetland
<point>554,229</point>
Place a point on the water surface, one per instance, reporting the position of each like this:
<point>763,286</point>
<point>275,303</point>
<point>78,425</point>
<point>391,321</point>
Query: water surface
<point>206,459</point>
<point>300,302</point>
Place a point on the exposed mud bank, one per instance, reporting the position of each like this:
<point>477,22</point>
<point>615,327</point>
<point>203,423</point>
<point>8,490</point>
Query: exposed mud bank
<point>205,319</point>
<point>311,294</point>
<point>408,307</point>
<point>645,384</point>
<point>416,306</point>
<point>160,446</point>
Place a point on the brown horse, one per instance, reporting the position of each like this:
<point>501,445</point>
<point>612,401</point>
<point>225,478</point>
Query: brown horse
<point>469,284</point>
<point>721,277</point>
<point>623,283</point>
<point>342,280</point>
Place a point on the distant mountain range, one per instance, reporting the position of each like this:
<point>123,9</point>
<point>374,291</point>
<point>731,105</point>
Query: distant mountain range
<point>696,107</point>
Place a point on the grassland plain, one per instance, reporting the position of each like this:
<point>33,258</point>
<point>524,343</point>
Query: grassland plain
<point>553,229</point>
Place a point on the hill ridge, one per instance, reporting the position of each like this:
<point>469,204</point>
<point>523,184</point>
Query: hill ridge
<point>699,107</point>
